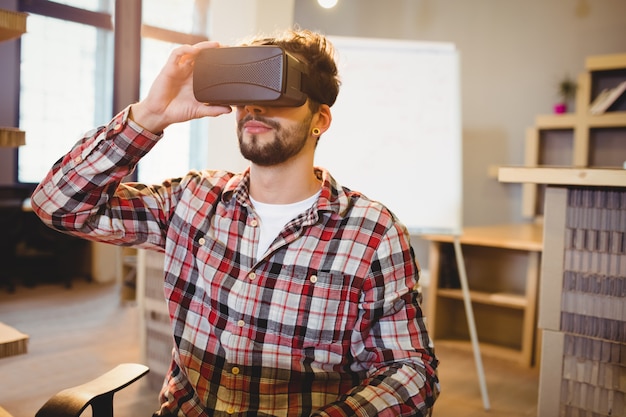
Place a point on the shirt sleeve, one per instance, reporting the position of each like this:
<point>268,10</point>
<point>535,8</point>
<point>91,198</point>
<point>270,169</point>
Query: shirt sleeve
<point>392,341</point>
<point>82,193</point>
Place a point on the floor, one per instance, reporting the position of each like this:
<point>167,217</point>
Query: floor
<point>78,333</point>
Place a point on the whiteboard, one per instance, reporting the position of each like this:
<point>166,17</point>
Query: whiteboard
<point>396,129</point>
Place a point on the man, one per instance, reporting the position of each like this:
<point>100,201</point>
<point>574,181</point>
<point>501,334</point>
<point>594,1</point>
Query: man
<point>289,295</point>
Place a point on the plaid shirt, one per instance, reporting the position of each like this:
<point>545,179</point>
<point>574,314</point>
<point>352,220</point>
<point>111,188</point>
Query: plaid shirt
<point>326,323</point>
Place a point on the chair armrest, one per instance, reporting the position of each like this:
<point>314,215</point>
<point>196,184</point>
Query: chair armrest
<point>98,393</point>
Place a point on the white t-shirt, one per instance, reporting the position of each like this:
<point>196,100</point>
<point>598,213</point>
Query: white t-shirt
<point>274,217</point>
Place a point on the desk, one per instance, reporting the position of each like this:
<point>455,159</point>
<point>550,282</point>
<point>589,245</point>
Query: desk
<point>503,274</point>
<point>583,284</point>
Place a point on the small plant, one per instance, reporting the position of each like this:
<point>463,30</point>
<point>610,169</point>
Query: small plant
<point>567,89</point>
<point>566,92</point>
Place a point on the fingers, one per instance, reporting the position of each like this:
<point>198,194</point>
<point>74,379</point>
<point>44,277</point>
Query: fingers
<point>207,44</point>
<point>184,55</point>
<point>195,49</point>
<point>214,111</point>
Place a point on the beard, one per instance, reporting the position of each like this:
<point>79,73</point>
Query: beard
<point>287,142</point>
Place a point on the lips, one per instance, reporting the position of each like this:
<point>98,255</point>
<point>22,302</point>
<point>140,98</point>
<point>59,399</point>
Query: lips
<point>255,127</point>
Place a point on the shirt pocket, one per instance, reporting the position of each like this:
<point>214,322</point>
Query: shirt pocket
<point>315,307</point>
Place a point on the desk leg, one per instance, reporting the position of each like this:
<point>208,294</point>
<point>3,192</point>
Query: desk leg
<point>470,321</point>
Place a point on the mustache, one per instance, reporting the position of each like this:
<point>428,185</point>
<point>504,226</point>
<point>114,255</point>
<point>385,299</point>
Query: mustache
<point>248,118</point>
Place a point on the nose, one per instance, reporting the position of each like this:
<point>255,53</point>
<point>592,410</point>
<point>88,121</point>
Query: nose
<point>254,109</point>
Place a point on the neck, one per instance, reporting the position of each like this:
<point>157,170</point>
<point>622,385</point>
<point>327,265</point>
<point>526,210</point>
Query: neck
<point>283,184</point>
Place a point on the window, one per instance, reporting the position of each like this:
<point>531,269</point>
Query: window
<point>93,5</point>
<point>67,80</point>
<point>66,87</point>
<point>166,25</point>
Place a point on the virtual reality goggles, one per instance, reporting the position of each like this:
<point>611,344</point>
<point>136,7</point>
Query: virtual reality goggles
<point>264,74</point>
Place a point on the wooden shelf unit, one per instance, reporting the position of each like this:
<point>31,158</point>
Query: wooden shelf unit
<point>615,177</point>
<point>11,137</point>
<point>126,258</point>
<point>12,24</point>
<point>155,330</point>
<point>580,313</point>
<point>580,135</point>
<point>504,300</point>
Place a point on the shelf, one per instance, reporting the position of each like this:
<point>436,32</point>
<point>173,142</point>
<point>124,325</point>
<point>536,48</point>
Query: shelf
<point>12,137</point>
<point>12,24</point>
<point>556,121</point>
<point>495,299</point>
<point>525,236</point>
<point>605,62</point>
<point>577,148</point>
<point>570,120</point>
<point>607,120</point>
<point>488,349</point>
<point>608,177</point>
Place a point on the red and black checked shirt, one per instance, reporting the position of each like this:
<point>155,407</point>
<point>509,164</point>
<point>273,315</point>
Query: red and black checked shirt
<point>327,323</point>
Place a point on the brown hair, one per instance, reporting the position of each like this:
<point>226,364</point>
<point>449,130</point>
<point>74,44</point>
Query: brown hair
<point>317,52</point>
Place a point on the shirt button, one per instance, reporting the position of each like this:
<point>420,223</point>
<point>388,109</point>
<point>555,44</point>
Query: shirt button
<point>241,323</point>
<point>78,159</point>
<point>254,223</point>
<point>118,126</point>
<point>252,276</point>
<point>235,370</point>
<point>313,279</point>
<point>202,241</point>
<point>230,410</point>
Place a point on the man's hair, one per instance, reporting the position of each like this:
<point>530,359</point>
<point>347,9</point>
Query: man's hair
<point>317,53</point>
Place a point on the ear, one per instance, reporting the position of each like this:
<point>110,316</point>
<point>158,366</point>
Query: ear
<point>322,118</point>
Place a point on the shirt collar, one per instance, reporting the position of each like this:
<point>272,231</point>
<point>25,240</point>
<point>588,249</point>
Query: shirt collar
<point>333,197</point>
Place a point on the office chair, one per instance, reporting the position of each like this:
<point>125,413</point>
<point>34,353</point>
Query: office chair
<point>97,393</point>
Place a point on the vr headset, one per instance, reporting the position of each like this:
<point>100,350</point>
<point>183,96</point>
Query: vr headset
<point>264,74</point>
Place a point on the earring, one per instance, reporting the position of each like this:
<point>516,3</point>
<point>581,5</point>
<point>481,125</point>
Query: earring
<point>316,131</point>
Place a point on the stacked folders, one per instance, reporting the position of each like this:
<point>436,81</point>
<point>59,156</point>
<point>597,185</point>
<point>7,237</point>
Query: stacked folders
<point>593,304</point>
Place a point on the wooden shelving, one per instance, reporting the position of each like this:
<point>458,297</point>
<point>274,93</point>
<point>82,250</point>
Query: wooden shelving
<point>497,299</point>
<point>581,129</point>
<point>615,177</point>
<point>502,265</point>
<point>12,26</point>
<point>156,334</point>
<point>12,137</point>
<point>571,121</point>
<point>581,314</point>
<point>572,148</point>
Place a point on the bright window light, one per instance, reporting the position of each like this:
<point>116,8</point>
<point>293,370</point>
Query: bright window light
<point>63,63</point>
